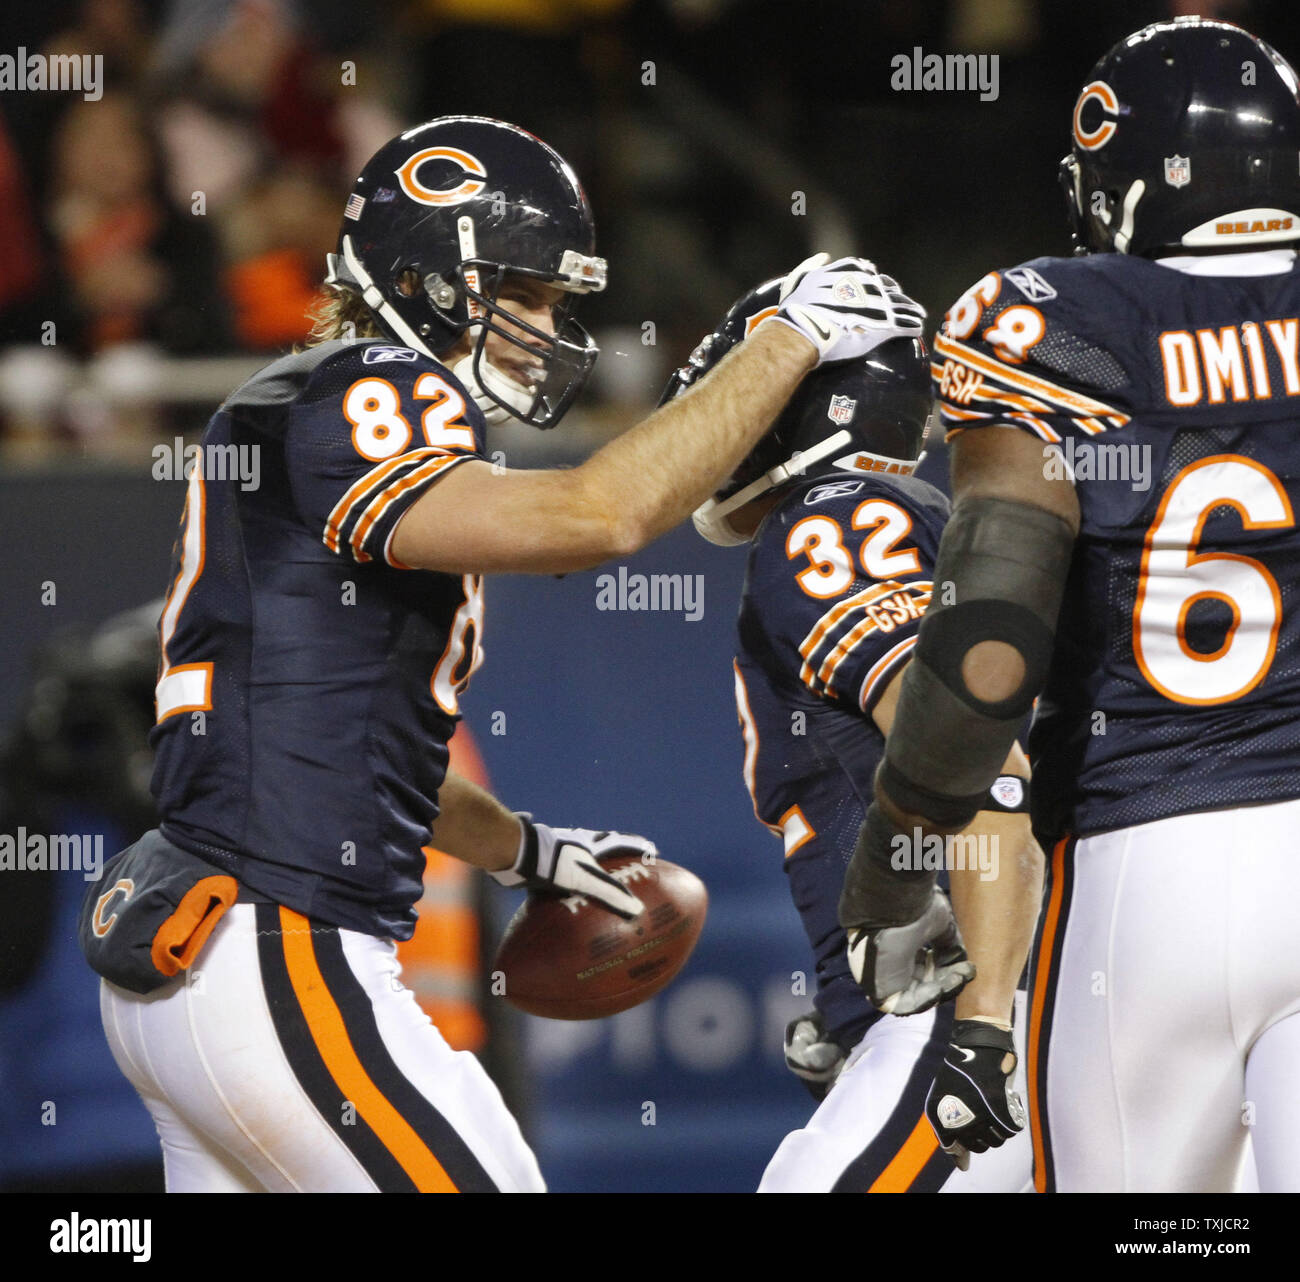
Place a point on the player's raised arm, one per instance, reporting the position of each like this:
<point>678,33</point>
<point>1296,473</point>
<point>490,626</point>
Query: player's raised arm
<point>481,520</point>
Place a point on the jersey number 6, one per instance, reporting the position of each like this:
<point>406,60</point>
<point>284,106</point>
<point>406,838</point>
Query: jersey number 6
<point>1175,576</point>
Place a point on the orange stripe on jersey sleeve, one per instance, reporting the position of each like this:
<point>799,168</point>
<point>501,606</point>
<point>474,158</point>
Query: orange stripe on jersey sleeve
<point>921,591</point>
<point>919,1147</point>
<point>883,667</point>
<point>358,490</point>
<point>1060,398</point>
<point>836,615</point>
<point>382,501</point>
<point>329,1033</point>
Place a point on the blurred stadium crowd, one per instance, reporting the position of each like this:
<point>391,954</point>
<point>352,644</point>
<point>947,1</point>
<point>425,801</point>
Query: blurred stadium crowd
<point>185,212</point>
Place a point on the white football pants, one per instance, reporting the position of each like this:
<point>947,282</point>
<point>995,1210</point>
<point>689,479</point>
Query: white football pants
<point>1165,1024</point>
<point>871,1134</point>
<point>290,1058</point>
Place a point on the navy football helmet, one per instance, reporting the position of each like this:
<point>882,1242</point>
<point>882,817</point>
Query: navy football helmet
<point>1186,139</point>
<point>439,218</point>
<point>863,415</point>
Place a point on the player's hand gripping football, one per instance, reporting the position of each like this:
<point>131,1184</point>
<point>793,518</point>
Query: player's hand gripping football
<point>972,1104</point>
<point>846,308</point>
<point>904,947</point>
<point>565,861</point>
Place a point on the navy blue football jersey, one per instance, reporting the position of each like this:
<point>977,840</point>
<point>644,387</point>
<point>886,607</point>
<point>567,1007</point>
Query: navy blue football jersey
<point>839,574</point>
<point>309,682</point>
<point>1172,398</point>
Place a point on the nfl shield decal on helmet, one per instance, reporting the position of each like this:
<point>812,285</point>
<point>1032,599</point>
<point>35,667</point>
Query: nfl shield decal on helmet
<point>1178,171</point>
<point>841,409</point>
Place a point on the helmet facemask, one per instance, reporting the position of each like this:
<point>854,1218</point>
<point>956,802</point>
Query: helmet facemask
<point>563,359</point>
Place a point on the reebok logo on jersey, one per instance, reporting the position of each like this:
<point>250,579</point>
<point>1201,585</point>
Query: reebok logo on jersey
<point>379,353</point>
<point>833,490</point>
<point>1030,284</point>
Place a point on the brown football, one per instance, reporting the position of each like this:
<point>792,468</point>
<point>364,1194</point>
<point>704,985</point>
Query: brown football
<point>572,959</point>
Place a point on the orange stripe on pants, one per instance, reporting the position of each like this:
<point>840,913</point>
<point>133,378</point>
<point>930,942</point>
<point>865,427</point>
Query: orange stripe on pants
<point>907,1163</point>
<point>329,1033</point>
<point>1043,968</point>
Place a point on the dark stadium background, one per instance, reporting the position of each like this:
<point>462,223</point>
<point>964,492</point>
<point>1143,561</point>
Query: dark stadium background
<point>173,232</point>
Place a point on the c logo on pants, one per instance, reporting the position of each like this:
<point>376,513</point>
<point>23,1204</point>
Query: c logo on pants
<point>101,925</point>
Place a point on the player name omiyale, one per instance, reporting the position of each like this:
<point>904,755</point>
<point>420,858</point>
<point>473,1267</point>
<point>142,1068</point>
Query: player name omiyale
<point>1231,361</point>
<point>25,851</point>
<point>216,462</point>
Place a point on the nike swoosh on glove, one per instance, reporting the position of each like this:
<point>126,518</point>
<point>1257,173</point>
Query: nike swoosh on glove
<point>847,308</point>
<point>564,861</point>
<point>972,1104</point>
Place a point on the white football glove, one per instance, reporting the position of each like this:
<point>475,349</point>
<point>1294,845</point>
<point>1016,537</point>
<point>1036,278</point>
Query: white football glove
<point>811,1056</point>
<point>564,861</point>
<point>907,969</point>
<point>846,308</point>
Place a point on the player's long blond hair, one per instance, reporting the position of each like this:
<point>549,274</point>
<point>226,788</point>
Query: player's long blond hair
<point>341,313</point>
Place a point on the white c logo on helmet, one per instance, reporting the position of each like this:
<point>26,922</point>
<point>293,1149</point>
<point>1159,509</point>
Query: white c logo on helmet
<point>1099,137</point>
<point>469,186</point>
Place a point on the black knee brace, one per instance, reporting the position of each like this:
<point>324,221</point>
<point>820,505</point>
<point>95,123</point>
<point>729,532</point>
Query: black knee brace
<point>948,745</point>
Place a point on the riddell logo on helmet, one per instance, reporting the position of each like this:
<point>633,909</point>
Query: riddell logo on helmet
<point>468,187</point>
<point>1253,227</point>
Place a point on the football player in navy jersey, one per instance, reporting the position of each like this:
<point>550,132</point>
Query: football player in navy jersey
<point>320,629</point>
<point>1126,468</point>
<point>841,566</point>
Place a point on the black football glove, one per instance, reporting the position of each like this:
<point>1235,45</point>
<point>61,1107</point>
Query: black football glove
<point>972,1104</point>
<point>563,861</point>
